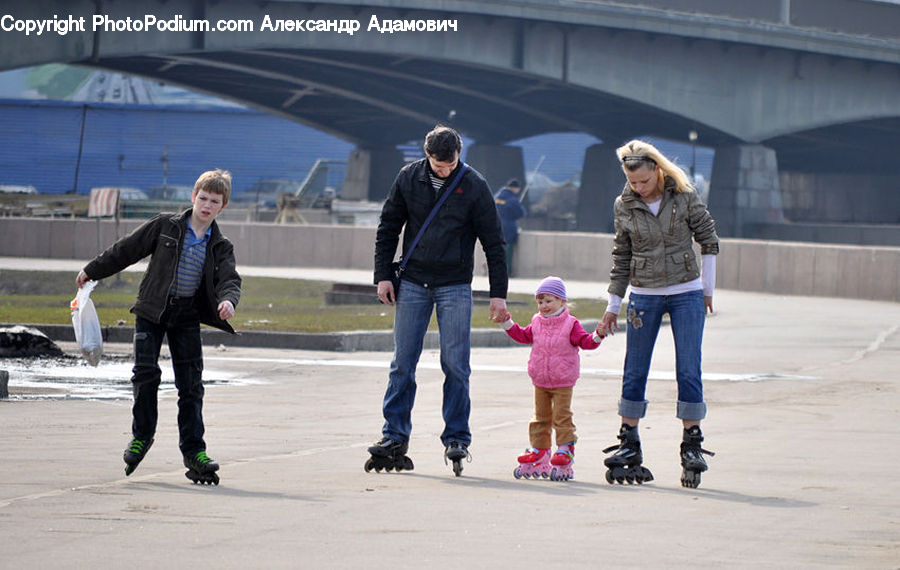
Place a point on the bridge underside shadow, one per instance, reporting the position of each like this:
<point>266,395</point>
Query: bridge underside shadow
<point>381,99</point>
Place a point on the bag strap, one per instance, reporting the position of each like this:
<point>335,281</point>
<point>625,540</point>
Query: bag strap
<point>431,215</point>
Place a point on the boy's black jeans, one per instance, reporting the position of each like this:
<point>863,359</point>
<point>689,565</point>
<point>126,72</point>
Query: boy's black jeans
<point>181,324</point>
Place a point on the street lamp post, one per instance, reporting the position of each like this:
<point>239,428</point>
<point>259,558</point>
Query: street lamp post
<point>692,136</point>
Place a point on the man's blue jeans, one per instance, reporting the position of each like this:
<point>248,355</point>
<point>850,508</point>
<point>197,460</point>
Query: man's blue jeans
<point>687,313</point>
<point>181,325</point>
<point>411,318</point>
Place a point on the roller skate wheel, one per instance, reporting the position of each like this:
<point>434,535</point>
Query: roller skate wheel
<point>517,472</point>
<point>690,479</point>
<point>457,468</point>
<point>370,463</point>
<point>202,478</point>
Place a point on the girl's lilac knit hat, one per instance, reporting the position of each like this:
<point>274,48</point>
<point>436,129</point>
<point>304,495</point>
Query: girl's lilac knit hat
<point>554,286</point>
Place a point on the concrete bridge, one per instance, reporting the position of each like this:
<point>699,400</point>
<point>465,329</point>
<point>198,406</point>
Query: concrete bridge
<point>800,98</point>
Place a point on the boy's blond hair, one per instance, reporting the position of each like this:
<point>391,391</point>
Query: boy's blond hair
<point>216,181</point>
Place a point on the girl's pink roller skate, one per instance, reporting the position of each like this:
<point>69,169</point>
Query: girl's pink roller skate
<point>562,462</point>
<point>534,463</point>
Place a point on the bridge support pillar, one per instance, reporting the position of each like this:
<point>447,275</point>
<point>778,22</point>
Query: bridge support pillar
<point>744,190</point>
<point>497,163</point>
<point>601,181</point>
<point>370,173</point>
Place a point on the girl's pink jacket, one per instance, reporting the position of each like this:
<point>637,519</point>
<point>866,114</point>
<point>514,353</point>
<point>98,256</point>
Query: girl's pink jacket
<point>554,360</point>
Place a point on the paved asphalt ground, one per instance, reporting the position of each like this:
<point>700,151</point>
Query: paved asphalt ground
<point>804,417</point>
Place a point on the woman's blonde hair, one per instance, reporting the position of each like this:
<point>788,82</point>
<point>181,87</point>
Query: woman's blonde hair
<point>637,153</point>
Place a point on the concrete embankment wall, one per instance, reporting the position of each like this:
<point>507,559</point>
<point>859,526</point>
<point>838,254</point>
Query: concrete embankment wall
<point>790,268</point>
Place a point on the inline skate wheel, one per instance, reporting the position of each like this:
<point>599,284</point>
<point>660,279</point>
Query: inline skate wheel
<point>616,474</point>
<point>517,472</point>
<point>202,478</point>
<point>690,479</point>
<point>457,468</point>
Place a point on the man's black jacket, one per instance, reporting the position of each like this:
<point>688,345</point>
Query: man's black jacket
<point>162,237</point>
<point>446,253</point>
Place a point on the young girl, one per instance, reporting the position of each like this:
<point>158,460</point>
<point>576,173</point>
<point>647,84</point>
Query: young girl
<point>553,366</point>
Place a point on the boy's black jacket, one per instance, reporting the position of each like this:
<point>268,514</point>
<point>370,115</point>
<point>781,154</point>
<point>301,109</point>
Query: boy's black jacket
<point>162,238</point>
<point>445,255</point>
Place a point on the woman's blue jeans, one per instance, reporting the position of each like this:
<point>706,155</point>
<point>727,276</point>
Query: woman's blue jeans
<point>414,307</point>
<point>687,313</point>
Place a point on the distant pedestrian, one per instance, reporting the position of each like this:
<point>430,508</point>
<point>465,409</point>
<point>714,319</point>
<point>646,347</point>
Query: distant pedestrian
<point>554,366</point>
<point>437,276</point>
<point>656,216</point>
<point>511,210</point>
<point>191,279</point>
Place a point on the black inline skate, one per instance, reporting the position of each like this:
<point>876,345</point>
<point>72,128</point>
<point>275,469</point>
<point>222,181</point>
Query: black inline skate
<point>456,452</point>
<point>201,469</point>
<point>692,461</point>
<point>625,464</point>
<point>135,453</point>
<point>389,454</point>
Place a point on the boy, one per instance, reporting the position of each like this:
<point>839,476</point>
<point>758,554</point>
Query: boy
<point>191,278</point>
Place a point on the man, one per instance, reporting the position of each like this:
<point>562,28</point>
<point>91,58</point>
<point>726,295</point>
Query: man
<point>510,209</point>
<point>438,275</point>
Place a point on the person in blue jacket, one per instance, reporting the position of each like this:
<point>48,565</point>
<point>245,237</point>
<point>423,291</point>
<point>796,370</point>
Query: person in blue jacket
<point>510,209</point>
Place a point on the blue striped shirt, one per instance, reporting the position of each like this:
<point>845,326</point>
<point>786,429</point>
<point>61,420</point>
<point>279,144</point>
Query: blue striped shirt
<point>190,264</point>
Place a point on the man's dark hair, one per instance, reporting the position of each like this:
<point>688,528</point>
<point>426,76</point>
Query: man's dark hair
<point>442,143</point>
<point>513,183</point>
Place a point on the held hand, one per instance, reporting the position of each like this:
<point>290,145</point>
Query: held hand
<point>498,311</point>
<point>708,301</point>
<point>82,279</point>
<point>386,292</point>
<point>608,324</point>
<point>226,310</point>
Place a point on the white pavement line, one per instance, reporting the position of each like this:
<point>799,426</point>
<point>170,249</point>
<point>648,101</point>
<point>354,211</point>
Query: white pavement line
<point>617,373</point>
<point>160,474</point>
<point>57,492</point>
<point>874,346</point>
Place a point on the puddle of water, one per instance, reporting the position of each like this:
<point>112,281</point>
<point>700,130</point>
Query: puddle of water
<point>70,378</point>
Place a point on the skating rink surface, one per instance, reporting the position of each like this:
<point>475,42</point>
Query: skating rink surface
<point>804,409</point>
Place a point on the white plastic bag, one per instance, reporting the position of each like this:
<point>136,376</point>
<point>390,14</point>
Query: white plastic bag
<point>87,325</point>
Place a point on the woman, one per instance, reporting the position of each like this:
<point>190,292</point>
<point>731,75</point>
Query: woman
<point>656,216</point>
